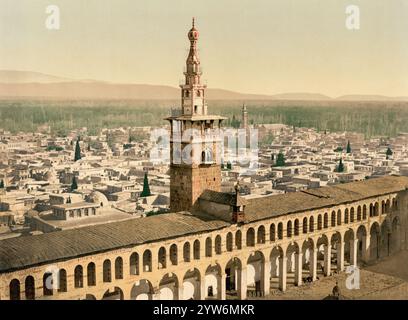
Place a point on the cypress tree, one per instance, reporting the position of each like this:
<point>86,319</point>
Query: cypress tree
<point>280,160</point>
<point>340,167</point>
<point>348,150</point>
<point>389,152</point>
<point>74,184</point>
<point>77,151</point>
<point>146,188</point>
<point>1,184</point>
<point>229,165</point>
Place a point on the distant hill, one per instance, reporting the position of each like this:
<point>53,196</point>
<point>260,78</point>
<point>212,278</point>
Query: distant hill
<point>28,84</point>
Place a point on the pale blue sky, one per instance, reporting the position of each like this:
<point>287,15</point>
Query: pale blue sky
<point>256,46</point>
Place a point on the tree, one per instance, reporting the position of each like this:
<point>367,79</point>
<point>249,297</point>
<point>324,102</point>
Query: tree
<point>340,167</point>
<point>338,149</point>
<point>280,160</point>
<point>1,184</point>
<point>74,184</point>
<point>389,152</point>
<point>146,188</point>
<point>77,151</point>
<point>229,165</point>
<point>348,150</point>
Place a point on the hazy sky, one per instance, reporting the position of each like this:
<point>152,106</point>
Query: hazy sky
<point>254,46</point>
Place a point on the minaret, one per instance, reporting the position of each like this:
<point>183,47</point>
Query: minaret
<point>195,143</point>
<point>244,120</point>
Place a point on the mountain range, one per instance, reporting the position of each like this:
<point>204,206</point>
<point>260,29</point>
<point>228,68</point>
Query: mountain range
<point>28,84</point>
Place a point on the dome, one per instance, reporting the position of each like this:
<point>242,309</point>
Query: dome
<point>193,33</point>
<point>98,197</point>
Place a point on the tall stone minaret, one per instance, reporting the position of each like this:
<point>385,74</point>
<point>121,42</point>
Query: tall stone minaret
<point>194,154</point>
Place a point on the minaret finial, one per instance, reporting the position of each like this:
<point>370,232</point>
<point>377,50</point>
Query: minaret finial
<point>193,22</point>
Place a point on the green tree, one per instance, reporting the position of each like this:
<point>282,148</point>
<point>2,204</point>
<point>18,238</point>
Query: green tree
<point>340,167</point>
<point>348,150</point>
<point>146,188</point>
<point>77,151</point>
<point>280,160</point>
<point>229,165</point>
<point>338,149</point>
<point>389,152</point>
<point>2,184</point>
<point>74,184</point>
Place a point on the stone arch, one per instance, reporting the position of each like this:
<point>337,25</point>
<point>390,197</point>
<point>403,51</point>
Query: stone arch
<point>276,258</point>
<point>218,244</point>
<point>233,274</point>
<point>333,219</point>
<point>62,274</point>
<point>319,222</point>
<point>118,268</point>
<point>116,294</point>
<point>359,215</point>
<point>107,271</point>
<point>255,265</point>
<point>173,254</point>
<point>323,253</point>
<point>385,238</point>
<point>339,217</point>
<point>14,289</point>
<point>292,267</point>
<point>346,216</point>
<point>304,225</point>
<point>395,241</point>
<point>272,232</point>
<point>91,274</point>
<point>308,248</point>
<point>169,287</point>
<point>371,210</point>
<point>162,258</point>
<point>250,237</point>
<point>90,297</point>
<point>361,236</point>
<point>296,227</point>
<point>186,252</point>
<point>337,247</point>
<point>78,277</point>
<point>147,261</point>
<point>387,206</point>
<point>326,220</point>
<point>364,212</point>
<point>376,209</point>
<point>352,215</point>
<point>289,230</point>
<point>142,290</point>
<point>382,207</point>
<point>134,263</point>
<point>348,246</point>
<point>208,247</point>
<point>311,224</point>
<point>260,236</point>
<point>29,286</point>
<point>213,285</point>
<point>196,249</point>
<point>229,242</point>
<point>192,285</point>
<point>280,230</point>
<point>48,284</point>
<point>238,239</point>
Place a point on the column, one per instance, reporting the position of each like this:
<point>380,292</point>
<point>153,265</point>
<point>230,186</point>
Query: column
<point>179,290</point>
<point>366,248</point>
<point>221,287</point>
<point>327,260</point>
<point>340,256</point>
<point>242,284</point>
<point>298,269</point>
<point>353,252</point>
<point>282,273</point>
<point>265,278</point>
<point>202,291</point>
<point>313,264</point>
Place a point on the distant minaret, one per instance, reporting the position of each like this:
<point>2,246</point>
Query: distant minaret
<point>244,120</point>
